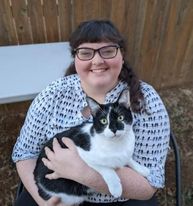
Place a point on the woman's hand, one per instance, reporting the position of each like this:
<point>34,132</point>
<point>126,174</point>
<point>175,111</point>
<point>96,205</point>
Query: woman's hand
<point>54,201</point>
<point>65,162</point>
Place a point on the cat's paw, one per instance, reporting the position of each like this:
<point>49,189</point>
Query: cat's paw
<point>112,180</point>
<point>145,171</point>
<point>115,189</point>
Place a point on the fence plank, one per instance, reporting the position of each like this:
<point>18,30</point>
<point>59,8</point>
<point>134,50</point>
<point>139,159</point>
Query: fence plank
<point>118,9</point>
<point>187,66</point>
<point>85,10</point>
<point>104,7</point>
<point>65,23</point>
<point>20,15</point>
<point>7,29</point>
<point>160,25</point>
<point>35,13</point>
<point>152,37</point>
<point>50,9</point>
<point>183,30</point>
<point>147,49</point>
<point>174,45</point>
<point>133,24</point>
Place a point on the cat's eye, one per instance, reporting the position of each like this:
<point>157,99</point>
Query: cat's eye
<point>103,121</point>
<point>120,118</point>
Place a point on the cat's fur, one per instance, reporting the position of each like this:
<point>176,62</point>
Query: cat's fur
<point>105,144</point>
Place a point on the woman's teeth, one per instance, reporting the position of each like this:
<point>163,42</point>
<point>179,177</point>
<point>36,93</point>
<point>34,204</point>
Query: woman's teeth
<point>98,70</point>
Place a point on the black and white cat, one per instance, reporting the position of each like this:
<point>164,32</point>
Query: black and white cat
<point>105,144</point>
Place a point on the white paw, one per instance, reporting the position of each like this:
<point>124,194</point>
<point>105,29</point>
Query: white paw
<point>145,171</point>
<point>115,189</point>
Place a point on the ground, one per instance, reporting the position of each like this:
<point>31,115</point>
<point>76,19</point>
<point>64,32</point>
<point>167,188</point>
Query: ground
<point>179,103</point>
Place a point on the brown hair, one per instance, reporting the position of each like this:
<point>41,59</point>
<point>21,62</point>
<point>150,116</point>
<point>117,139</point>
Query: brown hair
<point>104,31</point>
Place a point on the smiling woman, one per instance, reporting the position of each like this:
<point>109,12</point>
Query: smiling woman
<point>99,70</point>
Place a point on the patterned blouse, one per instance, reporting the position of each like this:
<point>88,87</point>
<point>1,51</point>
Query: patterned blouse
<point>59,106</point>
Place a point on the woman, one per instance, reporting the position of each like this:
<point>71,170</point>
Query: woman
<point>99,70</point>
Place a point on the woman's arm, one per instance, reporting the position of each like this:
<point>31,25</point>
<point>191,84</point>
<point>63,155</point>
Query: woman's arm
<point>67,164</point>
<point>25,170</point>
<point>134,185</point>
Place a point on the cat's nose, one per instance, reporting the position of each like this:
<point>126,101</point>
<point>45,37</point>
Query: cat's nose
<point>114,131</point>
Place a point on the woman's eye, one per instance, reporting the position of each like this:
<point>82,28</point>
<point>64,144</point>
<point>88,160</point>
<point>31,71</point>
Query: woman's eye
<point>85,53</point>
<point>120,118</point>
<point>109,51</point>
<point>103,121</point>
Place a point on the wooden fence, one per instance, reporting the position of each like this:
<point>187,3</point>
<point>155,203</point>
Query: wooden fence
<point>159,32</point>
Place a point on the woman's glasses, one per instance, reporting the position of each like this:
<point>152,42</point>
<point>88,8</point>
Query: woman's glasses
<point>106,52</point>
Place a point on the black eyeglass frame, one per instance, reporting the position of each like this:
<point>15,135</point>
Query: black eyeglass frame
<point>96,50</point>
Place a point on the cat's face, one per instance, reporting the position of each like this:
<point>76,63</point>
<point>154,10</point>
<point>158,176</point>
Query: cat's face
<point>112,120</point>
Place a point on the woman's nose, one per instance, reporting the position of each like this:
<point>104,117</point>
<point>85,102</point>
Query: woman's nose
<point>97,59</point>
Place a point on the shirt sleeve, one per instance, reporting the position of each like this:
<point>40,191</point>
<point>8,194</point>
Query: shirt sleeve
<point>152,131</point>
<point>33,133</point>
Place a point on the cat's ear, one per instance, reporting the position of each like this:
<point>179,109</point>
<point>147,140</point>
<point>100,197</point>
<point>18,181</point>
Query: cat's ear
<point>93,105</point>
<point>86,112</point>
<point>124,98</point>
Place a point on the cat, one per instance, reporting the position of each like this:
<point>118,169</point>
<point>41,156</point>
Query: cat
<point>106,143</point>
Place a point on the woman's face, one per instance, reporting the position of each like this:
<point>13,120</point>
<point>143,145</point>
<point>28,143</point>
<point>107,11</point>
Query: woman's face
<point>98,72</point>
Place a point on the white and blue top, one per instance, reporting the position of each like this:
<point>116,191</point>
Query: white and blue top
<point>58,107</point>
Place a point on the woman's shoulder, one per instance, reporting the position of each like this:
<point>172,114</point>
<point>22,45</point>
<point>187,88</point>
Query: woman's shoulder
<point>56,91</point>
<point>62,83</point>
<point>149,92</point>
<point>146,88</point>
<point>153,101</point>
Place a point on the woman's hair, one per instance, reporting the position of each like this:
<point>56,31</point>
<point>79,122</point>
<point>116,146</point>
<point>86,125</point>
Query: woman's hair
<point>104,31</point>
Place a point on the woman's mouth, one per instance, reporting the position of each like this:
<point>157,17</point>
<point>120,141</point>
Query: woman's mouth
<point>100,70</point>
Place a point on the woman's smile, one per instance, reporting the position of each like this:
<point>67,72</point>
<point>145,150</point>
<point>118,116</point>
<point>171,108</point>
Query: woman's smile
<point>99,70</point>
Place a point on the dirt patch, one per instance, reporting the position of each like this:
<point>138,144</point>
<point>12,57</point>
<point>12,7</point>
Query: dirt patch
<point>179,103</point>
<point>11,119</point>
